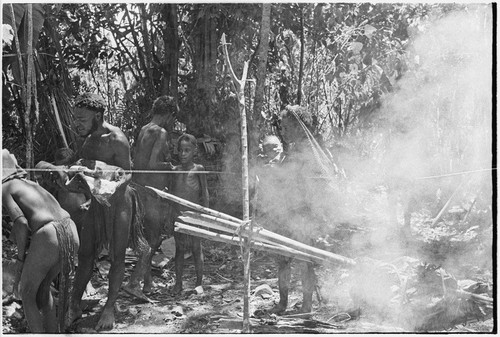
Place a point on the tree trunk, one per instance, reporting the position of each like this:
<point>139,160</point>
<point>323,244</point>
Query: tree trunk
<point>29,92</point>
<point>202,91</point>
<point>265,28</point>
<point>301,63</point>
<point>148,52</point>
<point>171,54</point>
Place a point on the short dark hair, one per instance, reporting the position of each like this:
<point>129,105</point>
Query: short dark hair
<point>187,138</point>
<point>165,105</point>
<point>64,155</point>
<point>91,101</point>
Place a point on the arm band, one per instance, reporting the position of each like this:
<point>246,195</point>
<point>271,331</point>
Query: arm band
<point>18,217</point>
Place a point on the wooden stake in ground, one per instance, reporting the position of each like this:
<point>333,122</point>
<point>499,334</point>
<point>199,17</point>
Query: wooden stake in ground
<point>240,94</point>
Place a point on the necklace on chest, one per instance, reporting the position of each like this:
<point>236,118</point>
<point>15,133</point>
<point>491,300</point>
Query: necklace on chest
<point>97,141</point>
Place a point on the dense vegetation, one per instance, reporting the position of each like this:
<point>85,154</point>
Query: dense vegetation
<point>400,98</point>
<point>338,60</point>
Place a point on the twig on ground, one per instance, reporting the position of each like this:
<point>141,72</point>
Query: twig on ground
<point>224,278</point>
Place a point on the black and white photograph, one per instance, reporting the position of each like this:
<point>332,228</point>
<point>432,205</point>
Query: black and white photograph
<point>249,167</point>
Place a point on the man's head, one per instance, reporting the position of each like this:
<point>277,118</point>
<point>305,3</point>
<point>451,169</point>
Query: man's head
<point>89,113</point>
<point>165,106</point>
<point>64,156</point>
<point>188,147</point>
<point>271,146</point>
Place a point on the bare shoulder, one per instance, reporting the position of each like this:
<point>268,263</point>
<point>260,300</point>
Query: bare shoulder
<point>116,135</point>
<point>198,167</point>
<point>154,128</point>
<point>8,186</point>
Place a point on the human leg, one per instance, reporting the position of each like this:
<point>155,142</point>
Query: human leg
<point>140,270</point>
<point>179,261</point>
<point>148,280</point>
<point>86,257</point>
<point>45,301</point>
<point>42,257</point>
<point>198,259</point>
<point>308,286</point>
<point>152,233</point>
<point>284,275</point>
<point>121,227</point>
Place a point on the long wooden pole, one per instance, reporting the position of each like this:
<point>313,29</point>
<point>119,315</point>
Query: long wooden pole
<point>285,251</point>
<point>29,90</point>
<point>194,206</point>
<point>240,94</point>
<point>263,235</point>
<point>58,120</point>
<point>236,224</point>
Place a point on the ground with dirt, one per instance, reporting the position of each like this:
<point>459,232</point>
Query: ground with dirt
<point>218,307</point>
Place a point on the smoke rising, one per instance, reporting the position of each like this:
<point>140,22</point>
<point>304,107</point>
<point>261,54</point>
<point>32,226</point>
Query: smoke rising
<point>436,121</point>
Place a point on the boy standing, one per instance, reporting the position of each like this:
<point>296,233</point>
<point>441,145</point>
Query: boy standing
<point>192,186</point>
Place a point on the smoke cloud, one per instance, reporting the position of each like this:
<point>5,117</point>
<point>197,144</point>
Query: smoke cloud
<point>436,121</point>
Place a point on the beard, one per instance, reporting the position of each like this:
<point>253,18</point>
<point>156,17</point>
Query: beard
<point>93,128</point>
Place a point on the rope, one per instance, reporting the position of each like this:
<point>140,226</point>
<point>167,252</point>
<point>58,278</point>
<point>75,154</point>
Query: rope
<point>136,171</point>
<point>457,173</point>
<point>221,172</point>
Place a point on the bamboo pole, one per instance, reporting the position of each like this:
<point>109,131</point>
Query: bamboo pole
<point>240,94</point>
<point>199,232</point>
<point>445,207</point>
<point>19,55</point>
<point>29,90</point>
<point>194,206</point>
<point>265,236</point>
<point>58,120</point>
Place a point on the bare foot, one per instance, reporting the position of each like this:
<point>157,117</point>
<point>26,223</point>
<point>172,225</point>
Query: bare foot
<point>107,320</point>
<point>278,309</point>
<point>306,308</point>
<point>148,287</point>
<point>136,292</point>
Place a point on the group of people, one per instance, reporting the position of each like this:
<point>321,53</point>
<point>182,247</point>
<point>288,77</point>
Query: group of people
<point>74,219</point>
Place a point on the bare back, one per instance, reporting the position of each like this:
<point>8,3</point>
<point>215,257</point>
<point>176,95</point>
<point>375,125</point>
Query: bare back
<point>151,152</point>
<point>111,147</point>
<point>38,206</point>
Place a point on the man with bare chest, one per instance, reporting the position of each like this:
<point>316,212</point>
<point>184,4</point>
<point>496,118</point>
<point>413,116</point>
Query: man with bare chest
<point>109,224</point>
<point>152,159</point>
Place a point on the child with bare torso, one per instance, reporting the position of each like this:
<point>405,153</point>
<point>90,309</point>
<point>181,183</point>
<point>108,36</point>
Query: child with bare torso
<point>190,185</point>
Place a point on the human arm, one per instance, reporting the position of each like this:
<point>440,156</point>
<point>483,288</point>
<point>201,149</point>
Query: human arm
<point>121,153</point>
<point>203,187</point>
<point>160,153</point>
<point>20,233</point>
<point>20,227</point>
<point>52,172</point>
